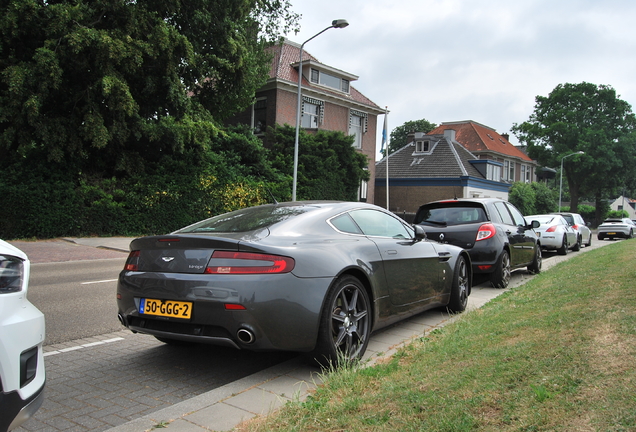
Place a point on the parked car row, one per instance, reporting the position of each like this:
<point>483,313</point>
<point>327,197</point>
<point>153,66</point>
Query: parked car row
<point>319,277</point>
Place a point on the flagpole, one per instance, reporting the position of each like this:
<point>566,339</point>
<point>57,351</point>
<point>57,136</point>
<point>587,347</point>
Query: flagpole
<point>385,140</point>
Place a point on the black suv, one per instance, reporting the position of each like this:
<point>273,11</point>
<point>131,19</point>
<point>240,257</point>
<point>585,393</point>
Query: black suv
<point>495,234</point>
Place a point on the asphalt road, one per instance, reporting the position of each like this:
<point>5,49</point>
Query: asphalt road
<point>76,297</point>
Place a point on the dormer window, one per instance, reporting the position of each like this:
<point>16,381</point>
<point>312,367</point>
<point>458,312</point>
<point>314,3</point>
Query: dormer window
<point>328,80</point>
<point>423,146</point>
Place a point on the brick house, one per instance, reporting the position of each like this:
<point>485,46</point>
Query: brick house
<point>433,167</point>
<point>329,102</point>
<point>485,143</point>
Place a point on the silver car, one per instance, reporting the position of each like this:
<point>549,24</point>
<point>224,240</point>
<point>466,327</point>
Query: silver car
<point>616,228</point>
<point>578,224</point>
<point>555,233</point>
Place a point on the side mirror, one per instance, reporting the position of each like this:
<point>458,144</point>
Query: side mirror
<point>535,224</point>
<point>420,234</point>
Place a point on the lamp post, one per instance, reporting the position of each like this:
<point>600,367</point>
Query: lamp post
<point>561,183</point>
<point>340,23</point>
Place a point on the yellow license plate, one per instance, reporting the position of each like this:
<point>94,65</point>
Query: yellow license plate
<point>165,308</point>
<point>611,233</point>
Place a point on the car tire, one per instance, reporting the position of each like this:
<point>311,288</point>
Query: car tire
<point>460,289</point>
<point>563,250</point>
<point>500,278</point>
<point>631,234</point>
<point>345,323</point>
<point>600,237</point>
<point>577,245</point>
<point>537,262</point>
<point>589,242</point>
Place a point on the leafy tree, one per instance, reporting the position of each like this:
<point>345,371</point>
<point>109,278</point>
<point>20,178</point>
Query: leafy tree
<point>522,196</point>
<point>399,134</point>
<point>329,167</point>
<point>589,118</point>
<point>111,84</point>
<point>545,198</point>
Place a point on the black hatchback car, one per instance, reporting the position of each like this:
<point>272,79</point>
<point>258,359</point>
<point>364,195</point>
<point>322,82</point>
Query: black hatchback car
<point>493,231</point>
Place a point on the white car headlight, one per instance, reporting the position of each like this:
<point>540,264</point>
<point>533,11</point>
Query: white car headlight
<point>11,274</point>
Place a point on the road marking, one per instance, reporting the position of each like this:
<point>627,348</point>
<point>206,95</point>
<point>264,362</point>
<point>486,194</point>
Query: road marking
<point>101,281</point>
<point>87,345</point>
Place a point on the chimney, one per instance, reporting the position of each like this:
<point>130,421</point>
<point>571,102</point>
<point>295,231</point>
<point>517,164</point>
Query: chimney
<point>506,137</point>
<point>410,137</point>
<point>449,134</point>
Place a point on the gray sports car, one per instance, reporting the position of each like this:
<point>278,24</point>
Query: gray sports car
<point>315,277</point>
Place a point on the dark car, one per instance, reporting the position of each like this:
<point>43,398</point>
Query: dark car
<point>493,231</point>
<point>314,277</point>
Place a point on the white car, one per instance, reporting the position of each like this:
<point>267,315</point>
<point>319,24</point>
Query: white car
<point>612,228</point>
<point>22,334</point>
<point>556,233</point>
<point>578,224</point>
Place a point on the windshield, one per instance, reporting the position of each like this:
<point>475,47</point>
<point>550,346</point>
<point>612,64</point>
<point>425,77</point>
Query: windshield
<point>249,219</point>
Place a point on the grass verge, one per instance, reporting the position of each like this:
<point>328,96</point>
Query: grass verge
<point>558,353</point>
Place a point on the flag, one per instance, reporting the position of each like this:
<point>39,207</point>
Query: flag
<point>384,131</point>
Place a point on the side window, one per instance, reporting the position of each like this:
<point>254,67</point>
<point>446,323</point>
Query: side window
<point>344,223</point>
<point>516,215</point>
<point>378,224</point>
<point>503,213</point>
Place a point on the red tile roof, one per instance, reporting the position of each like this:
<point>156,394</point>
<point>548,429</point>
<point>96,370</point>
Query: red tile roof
<point>287,54</point>
<point>479,138</point>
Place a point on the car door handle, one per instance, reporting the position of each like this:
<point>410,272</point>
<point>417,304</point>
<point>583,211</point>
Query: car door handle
<point>391,252</point>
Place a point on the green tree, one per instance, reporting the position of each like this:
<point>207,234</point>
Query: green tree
<point>399,134</point>
<point>107,85</point>
<point>545,198</point>
<point>329,167</point>
<point>583,117</point>
<point>522,195</point>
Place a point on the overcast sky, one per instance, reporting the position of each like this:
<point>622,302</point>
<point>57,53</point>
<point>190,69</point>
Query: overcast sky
<point>481,60</point>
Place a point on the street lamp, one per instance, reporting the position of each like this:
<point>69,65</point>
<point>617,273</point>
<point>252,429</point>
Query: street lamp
<point>561,183</point>
<point>340,23</point>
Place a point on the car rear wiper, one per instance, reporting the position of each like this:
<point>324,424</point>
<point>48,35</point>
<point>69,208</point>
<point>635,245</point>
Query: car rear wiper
<point>440,223</point>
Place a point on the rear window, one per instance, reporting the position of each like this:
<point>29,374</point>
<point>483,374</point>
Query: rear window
<point>244,220</point>
<point>453,215</point>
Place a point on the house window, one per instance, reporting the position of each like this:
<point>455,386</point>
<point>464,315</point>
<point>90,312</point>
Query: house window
<point>422,146</point>
<point>355,129</point>
<point>357,126</point>
<point>329,80</point>
<point>259,116</point>
<point>493,172</point>
<point>511,171</point>
<point>363,191</point>
<point>505,170</point>
<point>523,173</point>
<point>312,113</point>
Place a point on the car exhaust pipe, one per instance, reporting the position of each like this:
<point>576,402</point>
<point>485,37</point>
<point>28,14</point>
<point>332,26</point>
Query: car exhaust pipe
<point>121,319</point>
<point>245,336</point>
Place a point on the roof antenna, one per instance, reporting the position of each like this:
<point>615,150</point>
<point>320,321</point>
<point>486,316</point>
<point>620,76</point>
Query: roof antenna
<point>270,194</point>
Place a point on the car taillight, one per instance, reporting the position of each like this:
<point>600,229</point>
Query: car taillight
<point>249,263</point>
<point>551,229</point>
<point>486,231</point>
<point>132,263</point>
<point>11,274</point>
<point>575,227</point>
